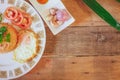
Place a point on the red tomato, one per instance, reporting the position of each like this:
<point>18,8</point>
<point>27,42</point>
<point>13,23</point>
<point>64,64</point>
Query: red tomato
<point>26,21</point>
<point>11,13</point>
<point>19,19</point>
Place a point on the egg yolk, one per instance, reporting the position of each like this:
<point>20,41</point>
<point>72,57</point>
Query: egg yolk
<point>42,1</point>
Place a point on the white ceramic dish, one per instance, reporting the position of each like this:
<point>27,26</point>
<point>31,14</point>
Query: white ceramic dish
<point>43,9</point>
<point>10,69</point>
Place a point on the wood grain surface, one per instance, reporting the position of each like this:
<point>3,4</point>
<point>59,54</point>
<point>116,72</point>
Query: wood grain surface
<point>76,68</point>
<point>88,49</point>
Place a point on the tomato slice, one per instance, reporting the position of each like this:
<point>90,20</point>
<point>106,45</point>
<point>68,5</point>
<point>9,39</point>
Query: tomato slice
<point>26,21</point>
<point>19,19</point>
<point>11,13</point>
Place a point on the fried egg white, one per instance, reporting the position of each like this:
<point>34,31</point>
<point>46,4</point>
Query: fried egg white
<point>27,46</point>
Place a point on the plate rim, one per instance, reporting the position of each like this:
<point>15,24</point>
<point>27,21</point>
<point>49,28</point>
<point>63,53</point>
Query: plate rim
<point>42,51</point>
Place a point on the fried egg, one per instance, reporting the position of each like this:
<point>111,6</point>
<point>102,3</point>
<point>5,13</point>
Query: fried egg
<point>27,46</point>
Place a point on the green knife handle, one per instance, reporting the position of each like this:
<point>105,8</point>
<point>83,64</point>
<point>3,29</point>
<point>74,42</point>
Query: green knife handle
<point>103,13</point>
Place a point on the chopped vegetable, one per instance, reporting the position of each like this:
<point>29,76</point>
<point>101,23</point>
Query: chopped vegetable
<point>18,17</point>
<point>1,38</point>
<point>18,20</point>
<point>8,37</point>
<point>1,33</point>
<point>62,15</point>
<point>57,17</point>
<point>0,17</point>
<point>26,21</point>
<point>11,13</point>
<point>3,29</point>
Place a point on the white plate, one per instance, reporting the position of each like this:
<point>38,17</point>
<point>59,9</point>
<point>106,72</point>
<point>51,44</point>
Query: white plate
<point>10,69</point>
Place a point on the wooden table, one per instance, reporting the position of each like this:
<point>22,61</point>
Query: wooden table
<point>89,49</point>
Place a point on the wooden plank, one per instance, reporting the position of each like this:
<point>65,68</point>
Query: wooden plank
<point>102,40</point>
<point>76,68</point>
<point>86,17</point>
<point>79,11</point>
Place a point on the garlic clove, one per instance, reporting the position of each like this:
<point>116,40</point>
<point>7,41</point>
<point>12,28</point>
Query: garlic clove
<point>53,11</point>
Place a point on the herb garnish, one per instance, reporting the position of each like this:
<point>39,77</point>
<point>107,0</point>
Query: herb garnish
<point>0,17</point>
<point>3,29</point>
<point>6,37</point>
<point>1,38</point>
